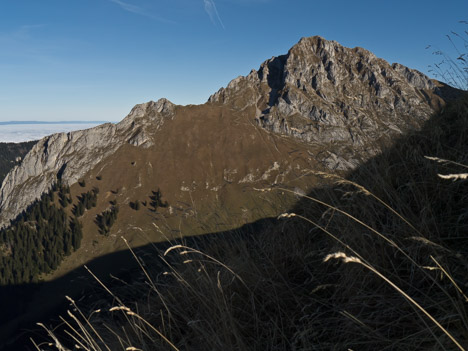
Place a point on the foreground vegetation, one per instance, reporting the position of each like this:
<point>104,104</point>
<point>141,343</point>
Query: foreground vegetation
<point>373,261</point>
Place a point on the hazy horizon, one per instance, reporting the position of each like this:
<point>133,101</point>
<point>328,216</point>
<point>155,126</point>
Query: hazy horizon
<point>20,132</point>
<point>11,122</point>
<point>96,59</point>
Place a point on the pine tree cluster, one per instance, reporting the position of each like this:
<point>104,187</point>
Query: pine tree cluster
<point>85,202</point>
<point>63,195</point>
<point>106,219</point>
<point>156,200</point>
<point>38,239</point>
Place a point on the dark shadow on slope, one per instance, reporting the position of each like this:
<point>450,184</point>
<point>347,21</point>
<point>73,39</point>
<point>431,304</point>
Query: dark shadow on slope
<point>11,154</point>
<point>448,93</point>
<point>439,137</point>
<point>275,78</point>
<point>24,305</point>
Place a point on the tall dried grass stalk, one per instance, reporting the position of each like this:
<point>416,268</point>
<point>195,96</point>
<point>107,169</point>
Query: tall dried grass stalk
<point>350,259</point>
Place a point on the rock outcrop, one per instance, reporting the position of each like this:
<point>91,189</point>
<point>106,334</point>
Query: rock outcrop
<point>71,155</point>
<point>324,93</point>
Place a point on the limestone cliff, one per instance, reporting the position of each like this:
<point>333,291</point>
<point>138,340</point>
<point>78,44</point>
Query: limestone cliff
<point>71,155</point>
<point>321,92</point>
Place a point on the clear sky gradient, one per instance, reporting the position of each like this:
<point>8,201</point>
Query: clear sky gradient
<point>96,59</point>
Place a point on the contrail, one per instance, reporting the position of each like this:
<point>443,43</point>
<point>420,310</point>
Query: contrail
<point>210,8</point>
<point>138,10</point>
<point>129,7</point>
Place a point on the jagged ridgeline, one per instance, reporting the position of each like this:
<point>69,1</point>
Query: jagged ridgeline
<point>321,106</point>
<point>38,239</point>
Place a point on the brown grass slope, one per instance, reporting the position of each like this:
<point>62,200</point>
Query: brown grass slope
<point>400,229</point>
<point>206,161</point>
<point>330,107</point>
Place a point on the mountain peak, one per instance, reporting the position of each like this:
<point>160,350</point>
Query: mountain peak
<point>162,106</point>
<point>321,90</point>
<point>315,42</point>
<point>335,100</point>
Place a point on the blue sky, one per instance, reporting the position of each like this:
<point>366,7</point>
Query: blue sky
<point>96,59</point>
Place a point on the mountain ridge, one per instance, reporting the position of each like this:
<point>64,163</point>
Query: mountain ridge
<point>342,103</point>
<point>315,66</point>
<point>273,127</point>
<point>51,156</point>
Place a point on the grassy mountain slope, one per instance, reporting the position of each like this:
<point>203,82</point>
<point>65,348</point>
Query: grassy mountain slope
<point>215,158</point>
<point>320,278</point>
<point>320,106</point>
<point>206,173</point>
<point>249,153</point>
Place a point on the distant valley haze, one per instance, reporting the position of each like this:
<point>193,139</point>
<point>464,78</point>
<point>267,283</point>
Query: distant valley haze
<point>19,131</point>
<point>49,122</point>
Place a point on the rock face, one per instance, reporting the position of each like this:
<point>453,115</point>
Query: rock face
<point>323,93</point>
<point>71,155</point>
<point>343,104</point>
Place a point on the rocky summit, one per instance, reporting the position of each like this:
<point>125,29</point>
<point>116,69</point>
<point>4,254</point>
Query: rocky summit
<point>321,105</point>
<point>323,93</point>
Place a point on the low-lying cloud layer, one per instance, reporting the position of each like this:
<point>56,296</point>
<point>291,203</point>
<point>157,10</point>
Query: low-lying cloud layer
<point>27,132</point>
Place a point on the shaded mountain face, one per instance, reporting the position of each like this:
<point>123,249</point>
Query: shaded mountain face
<point>320,107</point>
<point>11,154</point>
